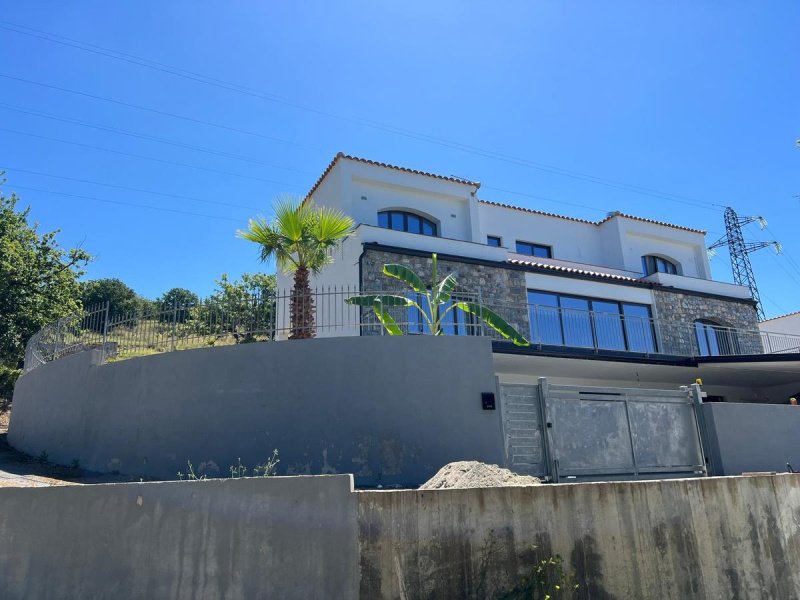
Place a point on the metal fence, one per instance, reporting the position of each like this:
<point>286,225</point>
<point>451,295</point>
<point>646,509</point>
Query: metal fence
<point>152,329</point>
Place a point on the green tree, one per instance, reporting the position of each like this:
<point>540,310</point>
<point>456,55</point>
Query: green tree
<point>38,279</point>
<point>179,297</point>
<point>245,305</point>
<point>301,239</point>
<point>122,300</point>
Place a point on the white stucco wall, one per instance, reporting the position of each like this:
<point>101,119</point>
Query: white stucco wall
<point>788,324</point>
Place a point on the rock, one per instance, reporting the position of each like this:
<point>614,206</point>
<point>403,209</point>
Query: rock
<point>473,474</point>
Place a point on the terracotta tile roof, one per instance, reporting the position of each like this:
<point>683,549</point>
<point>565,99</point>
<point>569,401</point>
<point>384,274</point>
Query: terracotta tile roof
<point>366,161</point>
<point>791,314</point>
<point>598,223</point>
<point>537,212</point>
<point>652,221</point>
<point>572,270</point>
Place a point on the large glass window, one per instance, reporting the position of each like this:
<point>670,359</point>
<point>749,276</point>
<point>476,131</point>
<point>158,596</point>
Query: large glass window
<point>493,240</point>
<point>529,249</point>
<point>456,322</point>
<point>563,320</point>
<point>405,221</point>
<point>714,339</point>
<point>545,318</point>
<point>656,264</point>
<point>639,329</point>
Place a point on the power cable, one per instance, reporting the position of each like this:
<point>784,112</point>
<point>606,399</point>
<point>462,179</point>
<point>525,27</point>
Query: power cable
<point>151,158</point>
<point>133,204</point>
<point>130,189</point>
<point>160,140</point>
<point>206,80</point>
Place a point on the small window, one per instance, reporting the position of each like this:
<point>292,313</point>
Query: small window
<point>529,249</point>
<point>405,221</point>
<point>494,241</point>
<point>655,264</point>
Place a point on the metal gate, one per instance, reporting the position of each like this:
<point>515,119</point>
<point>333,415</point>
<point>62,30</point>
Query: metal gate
<point>589,433</point>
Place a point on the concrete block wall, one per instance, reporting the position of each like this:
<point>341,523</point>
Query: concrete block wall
<point>280,537</point>
<point>314,538</point>
<point>752,437</point>
<point>687,538</point>
<point>391,410</point>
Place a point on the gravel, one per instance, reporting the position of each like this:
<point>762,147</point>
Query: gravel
<point>473,474</point>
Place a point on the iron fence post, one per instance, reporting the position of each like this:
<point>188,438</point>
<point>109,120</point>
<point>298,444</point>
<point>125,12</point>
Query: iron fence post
<point>105,334</point>
<point>696,394</point>
<point>174,322</point>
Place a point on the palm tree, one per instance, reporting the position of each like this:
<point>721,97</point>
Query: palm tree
<point>301,238</point>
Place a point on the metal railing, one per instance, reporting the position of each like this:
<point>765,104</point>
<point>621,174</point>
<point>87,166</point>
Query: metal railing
<point>153,329</point>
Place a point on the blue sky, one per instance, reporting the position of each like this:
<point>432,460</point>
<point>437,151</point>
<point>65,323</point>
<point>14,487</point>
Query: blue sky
<point>697,101</point>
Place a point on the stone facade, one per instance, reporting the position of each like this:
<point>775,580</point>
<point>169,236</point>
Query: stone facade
<point>502,290</point>
<point>677,312</point>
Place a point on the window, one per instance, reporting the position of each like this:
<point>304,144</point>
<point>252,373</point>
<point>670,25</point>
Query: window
<point>456,322</point>
<point>529,249</point>
<point>405,221</point>
<point>655,264</point>
<point>714,339</point>
<point>575,321</point>
<point>494,241</point>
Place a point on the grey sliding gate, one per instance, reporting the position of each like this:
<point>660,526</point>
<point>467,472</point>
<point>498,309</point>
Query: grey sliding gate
<point>589,433</point>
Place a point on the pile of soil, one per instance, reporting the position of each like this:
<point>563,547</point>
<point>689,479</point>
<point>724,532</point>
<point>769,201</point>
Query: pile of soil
<point>473,474</point>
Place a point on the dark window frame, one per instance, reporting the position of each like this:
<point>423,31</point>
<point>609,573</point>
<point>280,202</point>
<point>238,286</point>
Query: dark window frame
<point>652,263</point>
<point>653,338</point>
<point>723,337</point>
<point>497,238</point>
<point>548,250</point>
<point>390,214</point>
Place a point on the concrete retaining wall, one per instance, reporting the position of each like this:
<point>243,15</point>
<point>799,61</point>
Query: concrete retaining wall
<point>312,537</point>
<point>255,538</point>
<point>391,410</point>
<point>752,437</point>
<point>699,538</point>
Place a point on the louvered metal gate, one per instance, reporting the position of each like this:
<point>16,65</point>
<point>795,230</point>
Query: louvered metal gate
<point>574,433</point>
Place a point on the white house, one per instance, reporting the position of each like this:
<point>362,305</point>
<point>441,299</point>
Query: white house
<point>624,301</point>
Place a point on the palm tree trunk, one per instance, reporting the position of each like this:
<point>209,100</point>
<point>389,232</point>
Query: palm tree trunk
<point>301,307</point>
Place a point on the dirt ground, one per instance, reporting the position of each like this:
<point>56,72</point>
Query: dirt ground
<point>20,470</point>
<point>473,474</point>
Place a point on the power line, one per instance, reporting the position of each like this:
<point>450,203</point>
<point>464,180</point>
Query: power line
<point>210,81</point>
<point>151,158</point>
<point>133,204</point>
<point>160,140</point>
<point>162,113</point>
<point>130,189</point>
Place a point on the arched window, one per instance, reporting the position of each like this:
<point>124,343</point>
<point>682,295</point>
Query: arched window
<point>400,220</point>
<point>714,339</point>
<point>657,264</point>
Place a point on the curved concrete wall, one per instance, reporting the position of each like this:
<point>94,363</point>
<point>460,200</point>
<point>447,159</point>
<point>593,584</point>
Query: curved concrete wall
<point>390,410</point>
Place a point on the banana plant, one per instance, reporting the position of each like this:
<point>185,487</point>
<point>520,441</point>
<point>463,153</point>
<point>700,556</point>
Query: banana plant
<point>437,304</point>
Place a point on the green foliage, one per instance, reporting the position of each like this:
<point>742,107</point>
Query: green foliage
<point>302,235</point>
<point>38,279</point>
<point>180,300</point>
<point>123,301</point>
<point>545,581</point>
<point>247,304</point>
<point>178,297</point>
<point>237,471</point>
<point>8,377</point>
<point>436,304</point>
